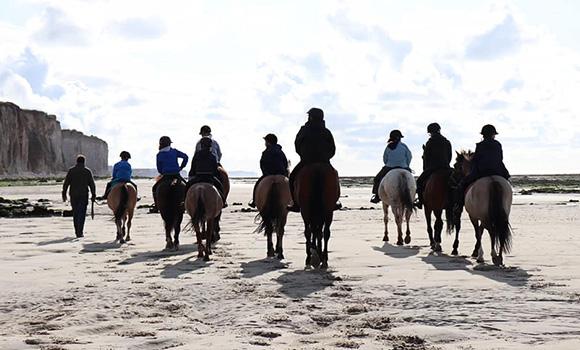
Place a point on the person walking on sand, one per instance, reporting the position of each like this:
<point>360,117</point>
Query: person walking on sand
<point>396,156</point>
<point>79,179</point>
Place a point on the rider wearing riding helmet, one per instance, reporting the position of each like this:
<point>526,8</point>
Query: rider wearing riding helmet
<point>396,156</point>
<point>167,161</point>
<point>121,174</point>
<point>436,155</point>
<point>205,132</point>
<point>487,161</point>
<point>204,168</point>
<point>314,144</point>
<point>273,162</point>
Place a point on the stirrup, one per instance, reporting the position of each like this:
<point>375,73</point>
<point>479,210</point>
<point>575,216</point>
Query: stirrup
<point>418,204</point>
<point>252,204</point>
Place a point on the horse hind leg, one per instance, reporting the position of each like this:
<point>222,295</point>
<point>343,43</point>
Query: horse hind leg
<point>386,221</point>
<point>129,220</point>
<point>279,247</point>
<point>429,228</point>
<point>209,228</point>
<point>199,239</point>
<point>399,221</point>
<point>495,258</point>
<point>438,230</point>
<point>455,251</point>
<point>270,245</point>
<point>326,239</point>
<point>168,240</point>
<point>307,236</point>
<point>408,231</point>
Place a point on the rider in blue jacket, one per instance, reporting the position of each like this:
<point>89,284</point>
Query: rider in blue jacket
<point>396,156</point>
<point>121,174</point>
<point>167,161</point>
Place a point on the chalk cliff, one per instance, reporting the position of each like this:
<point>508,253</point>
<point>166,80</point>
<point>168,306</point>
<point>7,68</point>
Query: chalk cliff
<point>32,143</point>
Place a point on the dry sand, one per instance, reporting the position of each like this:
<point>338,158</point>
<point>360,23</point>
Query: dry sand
<point>57,292</point>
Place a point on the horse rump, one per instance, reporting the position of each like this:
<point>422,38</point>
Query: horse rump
<point>405,193</point>
<point>269,217</point>
<point>499,225</point>
<point>199,215</point>
<point>123,202</point>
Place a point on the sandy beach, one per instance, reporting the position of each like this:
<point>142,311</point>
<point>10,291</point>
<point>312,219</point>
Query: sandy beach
<point>59,292</point>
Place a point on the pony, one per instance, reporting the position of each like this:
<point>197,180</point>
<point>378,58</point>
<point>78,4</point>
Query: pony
<point>169,197</point>
<point>122,201</point>
<point>397,190</point>
<point>488,203</point>
<point>317,189</point>
<point>438,197</point>
<point>272,200</point>
<point>204,205</point>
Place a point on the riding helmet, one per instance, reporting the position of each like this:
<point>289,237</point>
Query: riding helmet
<point>396,134</point>
<point>205,130</point>
<point>488,130</point>
<point>271,139</point>
<point>433,128</point>
<point>164,141</point>
<point>315,114</point>
<point>125,155</point>
<point>205,142</point>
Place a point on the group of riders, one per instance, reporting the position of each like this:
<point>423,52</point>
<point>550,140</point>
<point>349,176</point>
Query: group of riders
<point>314,143</point>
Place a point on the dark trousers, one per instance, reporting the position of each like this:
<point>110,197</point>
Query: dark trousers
<point>207,179</point>
<point>79,208</point>
<point>109,184</point>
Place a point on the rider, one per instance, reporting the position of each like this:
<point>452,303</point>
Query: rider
<point>396,156</point>
<point>205,132</point>
<point>121,174</point>
<point>487,161</point>
<point>204,168</point>
<point>273,162</point>
<point>314,144</point>
<point>436,155</point>
<point>167,161</point>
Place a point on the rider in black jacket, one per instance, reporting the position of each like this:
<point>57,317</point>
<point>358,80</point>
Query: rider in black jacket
<point>273,162</point>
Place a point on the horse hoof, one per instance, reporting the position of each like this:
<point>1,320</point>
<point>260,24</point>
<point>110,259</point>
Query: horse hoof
<point>270,254</point>
<point>475,254</point>
<point>127,239</point>
<point>497,261</point>
<point>454,252</point>
<point>400,242</point>
<point>407,239</point>
<point>385,239</point>
<point>437,248</point>
<point>280,256</point>
<point>324,265</point>
<point>480,260</point>
<point>199,255</point>
<point>206,258</point>
<point>176,247</point>
<point>315,259</point>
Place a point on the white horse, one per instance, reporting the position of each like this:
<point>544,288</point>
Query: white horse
<point>397,189</point>
<point>488,204</point>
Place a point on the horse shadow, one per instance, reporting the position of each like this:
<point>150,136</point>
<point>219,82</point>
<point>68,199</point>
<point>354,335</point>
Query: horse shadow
<point>513,276</point>
<point>57,241</point>
<point>399,252</point>
<point>159,254</point>
<point>302,283</point>
<point>99,247</point>
<point>182,267</point>
<point>261,266</point>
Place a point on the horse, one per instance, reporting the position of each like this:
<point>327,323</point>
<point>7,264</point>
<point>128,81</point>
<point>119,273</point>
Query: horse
<point>397,190</point>
<point>225,180</point>
<point>204,205</point>
<point>488,203</point>
<point>317,189</point>
<point>169,197</point>
<point>272,200</point>
<point>437,198</point>
<point>122,201</point>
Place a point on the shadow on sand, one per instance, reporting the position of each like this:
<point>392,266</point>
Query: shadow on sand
<point>184,266</point>
<point>159,254</point>
<point>399,252</point>
<point>100,247</point>
<point>302,283</point>
<point>261,266</point>
<point>513,276</point>
<point>57,241</point>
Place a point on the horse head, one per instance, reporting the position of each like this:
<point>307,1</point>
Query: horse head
<point>462,164</point>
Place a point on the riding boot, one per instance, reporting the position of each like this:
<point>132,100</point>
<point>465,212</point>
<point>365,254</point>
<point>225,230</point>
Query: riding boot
<point>294,207</point>
<point>419,202</point>
<point>107,191</point>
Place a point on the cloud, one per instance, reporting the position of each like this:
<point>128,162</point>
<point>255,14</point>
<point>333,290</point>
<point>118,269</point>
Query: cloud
<point>512,84</point>
<point>34,69</point>
<point>56,28</point>
<point>397,50</point>
<point>503,39</point>
<point>139,28</point>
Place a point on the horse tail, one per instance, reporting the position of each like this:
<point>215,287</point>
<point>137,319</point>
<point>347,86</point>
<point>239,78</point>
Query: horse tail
<point>271,214</point>
<point>199,215</point>
<point>449,219</point>
<point>169,209</point>
<point>317,207</point>
<point>405,193</point>
<point>500,230</point>
<point>123,203</point>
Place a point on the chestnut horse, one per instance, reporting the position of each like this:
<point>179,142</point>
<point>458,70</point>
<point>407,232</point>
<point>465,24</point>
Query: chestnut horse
<point>122,201</point>
<point>169,197</point>
<point>397,190</point>
<point>204,205</point>
<point>272,200</point>
<point>438,197</point>
<point>488,203</point>
<point>317,189</point>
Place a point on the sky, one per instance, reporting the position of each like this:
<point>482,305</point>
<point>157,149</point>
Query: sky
<point>131,71</point>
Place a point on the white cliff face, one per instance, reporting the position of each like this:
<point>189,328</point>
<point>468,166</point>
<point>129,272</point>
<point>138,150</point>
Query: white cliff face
<point>33,144</point>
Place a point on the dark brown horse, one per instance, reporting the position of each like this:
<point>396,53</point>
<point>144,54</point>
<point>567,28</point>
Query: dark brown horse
<point>438,197</point>
<point>169,199</point>
<point>317,190</point>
